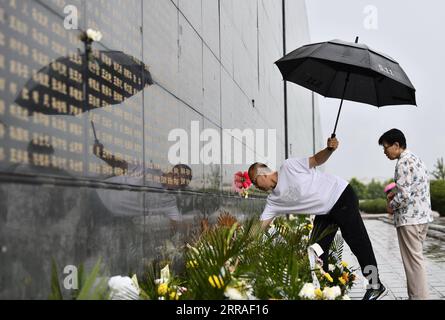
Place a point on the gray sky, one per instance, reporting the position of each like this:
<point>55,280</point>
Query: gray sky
<point>412,33</point>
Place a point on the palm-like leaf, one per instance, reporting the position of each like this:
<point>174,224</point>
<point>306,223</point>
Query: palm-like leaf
<point>56,292</point>
<point>275,264</point>
<point>336,249</point>
<point>94,287</point>
<point>213,253</point>
<point>318,233</point>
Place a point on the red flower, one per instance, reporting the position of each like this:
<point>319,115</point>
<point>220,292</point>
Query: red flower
<point>241,183</point>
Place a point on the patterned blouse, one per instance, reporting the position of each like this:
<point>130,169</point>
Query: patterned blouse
<point>412,202</point>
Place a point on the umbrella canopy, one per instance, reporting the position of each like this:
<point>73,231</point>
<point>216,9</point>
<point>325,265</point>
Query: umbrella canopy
<point>60,87</point>
<point>351,71</point>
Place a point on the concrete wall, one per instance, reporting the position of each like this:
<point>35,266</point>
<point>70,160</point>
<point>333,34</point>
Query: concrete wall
<point>212,61</point>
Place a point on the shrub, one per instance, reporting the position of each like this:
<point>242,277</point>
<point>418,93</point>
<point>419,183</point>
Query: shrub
<point>438,196</point>
<point>373,206</point>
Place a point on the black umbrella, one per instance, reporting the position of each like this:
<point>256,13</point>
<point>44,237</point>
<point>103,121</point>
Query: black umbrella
<point>351,71</point>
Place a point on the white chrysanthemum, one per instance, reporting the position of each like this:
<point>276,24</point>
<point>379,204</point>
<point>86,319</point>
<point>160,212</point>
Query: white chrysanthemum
<point>123,288</point>
<point>331,293</point>
<point>272,230</point>
<point>331,267</point>
<point>94,35</point>
<point>346,297</point>
<point>234,294</point>
<point>308,291</point>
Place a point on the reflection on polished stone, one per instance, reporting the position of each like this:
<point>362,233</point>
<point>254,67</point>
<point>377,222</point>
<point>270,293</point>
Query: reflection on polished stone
<point>104,77</point>
<point>74,226</point>
<point>90,120</point>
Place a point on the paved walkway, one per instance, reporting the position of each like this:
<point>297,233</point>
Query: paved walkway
<point>384,240</point>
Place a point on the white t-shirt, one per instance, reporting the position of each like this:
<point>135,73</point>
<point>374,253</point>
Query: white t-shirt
<point>301,190</point>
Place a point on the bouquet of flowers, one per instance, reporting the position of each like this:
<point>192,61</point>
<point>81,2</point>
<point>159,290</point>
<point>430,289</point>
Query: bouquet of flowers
<point>339,275</point>
<point>392,187</point>
<point>242,183</point>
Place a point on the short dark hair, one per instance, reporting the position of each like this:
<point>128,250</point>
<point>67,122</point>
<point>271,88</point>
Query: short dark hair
<point>392,136</point>
<point>253,169</point>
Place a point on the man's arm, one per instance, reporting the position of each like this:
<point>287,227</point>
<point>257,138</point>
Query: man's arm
<point>321,157</point>
<point>111,160</point>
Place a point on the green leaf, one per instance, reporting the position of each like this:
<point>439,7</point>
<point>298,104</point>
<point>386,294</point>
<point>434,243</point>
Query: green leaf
<point>56,292</point>
<point>99,291</point>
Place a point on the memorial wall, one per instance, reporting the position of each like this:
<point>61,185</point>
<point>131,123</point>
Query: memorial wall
<point>102,152</point>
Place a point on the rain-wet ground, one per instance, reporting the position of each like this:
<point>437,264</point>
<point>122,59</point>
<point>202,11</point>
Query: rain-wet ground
<point>435,250</point>
<point>440,221</point>
<point>384,240</point>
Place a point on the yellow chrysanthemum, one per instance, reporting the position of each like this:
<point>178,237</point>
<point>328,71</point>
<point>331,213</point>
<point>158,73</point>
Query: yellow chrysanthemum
<point>345,276</point>
<point>162,289</point>
<point>192,264</point>
<point>309,226</point>
<point>216,281</point>
<point>173,296</point>
<point>342,280</point>
<point>328,276</point>
<point>318,293</point>
<point>344,264</point>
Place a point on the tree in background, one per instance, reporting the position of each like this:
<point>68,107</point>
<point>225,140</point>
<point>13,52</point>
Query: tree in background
<point>375,190</point>
<point>359,188</point>
<point>439,172</point>
<point>370,191</point>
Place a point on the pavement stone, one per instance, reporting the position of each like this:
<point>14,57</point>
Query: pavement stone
<point>384,241</point>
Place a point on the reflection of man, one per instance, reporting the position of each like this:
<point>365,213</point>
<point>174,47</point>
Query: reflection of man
<point>133,203</point>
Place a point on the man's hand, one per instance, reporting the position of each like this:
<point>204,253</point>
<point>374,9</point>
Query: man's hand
<point>266,224</point>
<point>321,157</point>
<point>332,144</point>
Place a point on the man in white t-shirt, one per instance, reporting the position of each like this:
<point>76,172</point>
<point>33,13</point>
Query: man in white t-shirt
<point>299,188</point>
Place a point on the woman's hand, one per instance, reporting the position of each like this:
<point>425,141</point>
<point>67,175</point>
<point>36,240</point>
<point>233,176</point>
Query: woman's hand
<point>389,209</point>
<point>390,196</point>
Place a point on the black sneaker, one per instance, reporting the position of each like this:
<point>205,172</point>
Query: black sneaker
<point>375,294</point>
